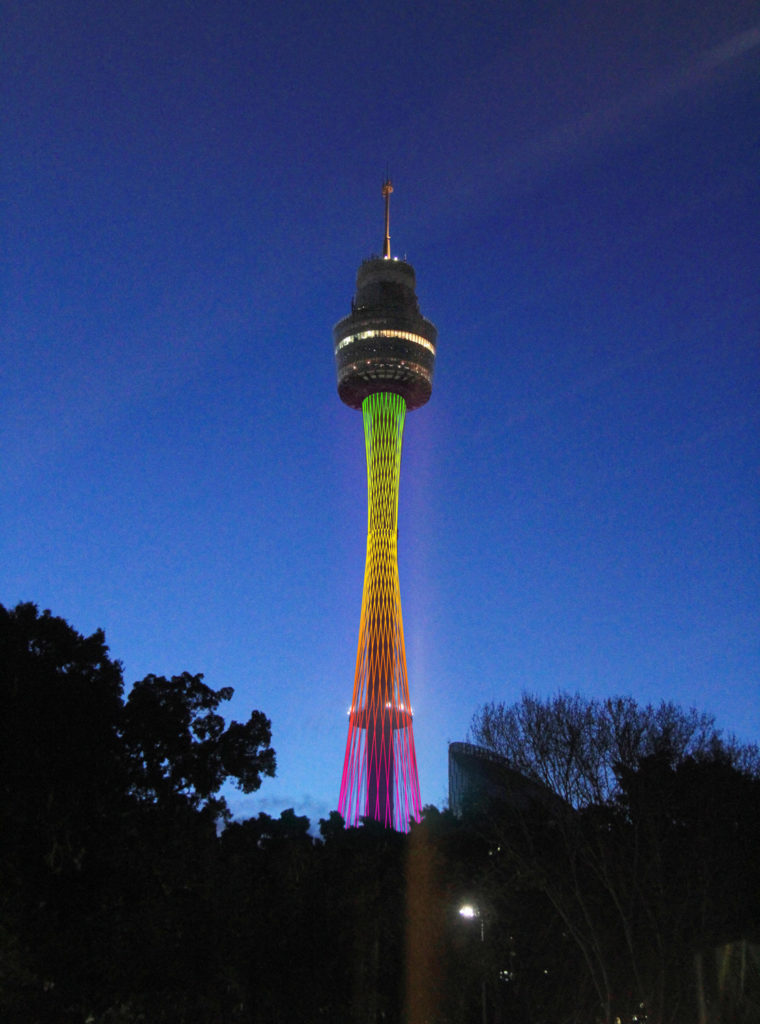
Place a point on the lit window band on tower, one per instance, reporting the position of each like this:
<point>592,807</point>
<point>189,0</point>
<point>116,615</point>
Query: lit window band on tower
<point>384,358</point>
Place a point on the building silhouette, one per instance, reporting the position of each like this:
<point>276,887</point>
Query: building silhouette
<point>481,781</point>
<point>384,358</point>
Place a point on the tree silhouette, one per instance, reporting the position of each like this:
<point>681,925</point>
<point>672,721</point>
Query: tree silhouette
<point>626,892</point>
<point>108,823</point>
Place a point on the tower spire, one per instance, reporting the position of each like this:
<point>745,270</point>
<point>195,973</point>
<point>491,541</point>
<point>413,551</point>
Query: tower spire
<point>387,189</point>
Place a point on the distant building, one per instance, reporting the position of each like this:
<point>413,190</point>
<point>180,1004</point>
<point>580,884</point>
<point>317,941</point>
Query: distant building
<point>480,778</point>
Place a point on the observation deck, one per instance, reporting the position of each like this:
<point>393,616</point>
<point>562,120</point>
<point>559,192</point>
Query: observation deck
<point>385,343</point>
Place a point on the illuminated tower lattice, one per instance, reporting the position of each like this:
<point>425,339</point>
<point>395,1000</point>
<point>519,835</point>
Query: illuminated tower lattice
<point>384,358</point>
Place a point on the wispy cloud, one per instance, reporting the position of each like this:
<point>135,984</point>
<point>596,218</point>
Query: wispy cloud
<point>243,807</point>
<point>627,114</point>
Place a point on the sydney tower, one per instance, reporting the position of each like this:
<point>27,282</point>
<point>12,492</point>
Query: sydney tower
<point>384,358</point>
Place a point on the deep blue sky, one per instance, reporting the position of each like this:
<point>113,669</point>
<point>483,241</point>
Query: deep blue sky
<point>190,189</point>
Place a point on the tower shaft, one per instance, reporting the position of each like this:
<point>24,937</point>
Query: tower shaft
<point>380,768</point>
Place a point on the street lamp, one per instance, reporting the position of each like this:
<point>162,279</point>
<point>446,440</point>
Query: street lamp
<point>471,912</point>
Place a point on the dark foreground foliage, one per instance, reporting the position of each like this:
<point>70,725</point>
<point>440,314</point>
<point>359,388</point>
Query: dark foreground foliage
<point>122,900</point>
<point>108,829</point>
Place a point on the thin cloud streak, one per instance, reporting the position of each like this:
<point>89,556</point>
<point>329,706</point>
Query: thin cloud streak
<point>624,117</point>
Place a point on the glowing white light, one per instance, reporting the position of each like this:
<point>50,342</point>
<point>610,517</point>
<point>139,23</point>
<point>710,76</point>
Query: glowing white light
<point>403,335</point>
<point>468,910</point>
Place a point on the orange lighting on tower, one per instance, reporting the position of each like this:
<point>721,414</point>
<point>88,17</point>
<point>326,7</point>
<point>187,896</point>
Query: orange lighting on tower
<point>384,358</point>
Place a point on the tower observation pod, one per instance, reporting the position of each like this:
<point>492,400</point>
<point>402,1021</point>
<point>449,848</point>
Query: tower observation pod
<point>384,359</point>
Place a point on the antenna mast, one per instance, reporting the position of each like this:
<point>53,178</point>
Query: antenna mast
<point>387,189</point>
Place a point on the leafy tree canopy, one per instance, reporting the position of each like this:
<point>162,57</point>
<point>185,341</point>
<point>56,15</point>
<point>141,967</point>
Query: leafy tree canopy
<point>68,737</point>
<point>179,748</point>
